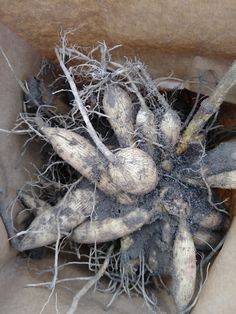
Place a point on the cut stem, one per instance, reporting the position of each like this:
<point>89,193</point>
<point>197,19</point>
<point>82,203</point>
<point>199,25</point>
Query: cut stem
<point>207,109</point>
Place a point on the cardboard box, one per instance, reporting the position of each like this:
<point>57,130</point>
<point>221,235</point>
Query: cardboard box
<point>187,38</point>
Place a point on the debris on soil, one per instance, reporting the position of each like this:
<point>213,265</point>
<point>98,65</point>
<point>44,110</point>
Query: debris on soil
<point>126,172</point>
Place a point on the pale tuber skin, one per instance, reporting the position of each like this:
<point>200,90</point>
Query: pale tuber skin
<point>134,172</point>
<point>219,166</point>
<point>132,166</point>
<point>184,267</point>
<point>85,158</point>
<point>206,240</point>
<point>147,130</point>
<point>170,127</point>
<point>220,159</point>
<point>111,229</point>
<point>118,106</point>
<point>212,220</point>
<point>37,206</point>
<point>223,180</point>
<point>71,211</point>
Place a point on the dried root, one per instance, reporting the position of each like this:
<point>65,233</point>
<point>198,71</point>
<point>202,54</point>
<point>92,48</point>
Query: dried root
<point>85,289</point>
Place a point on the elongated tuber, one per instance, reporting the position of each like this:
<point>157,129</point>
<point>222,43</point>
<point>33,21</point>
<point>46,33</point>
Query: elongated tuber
<point>71,211</point>
<point>223,180</point>
<point>111,228</point>
<point>118,106</point>
<point>147,130</point>
<point>85,158</point>
<point>184,267</point>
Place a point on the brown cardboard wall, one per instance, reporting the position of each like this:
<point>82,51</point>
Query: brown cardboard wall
<point>185,38</point>
<point>199,27</point>
<point>25,61</point>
